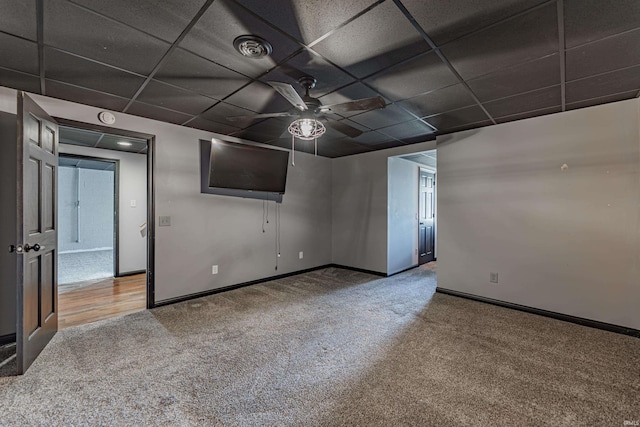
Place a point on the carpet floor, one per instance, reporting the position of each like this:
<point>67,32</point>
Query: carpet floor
<point>327,348</point>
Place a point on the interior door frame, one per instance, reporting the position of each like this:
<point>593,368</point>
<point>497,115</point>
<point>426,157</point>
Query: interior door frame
<point>151,185</point>
<point>116,201</point>
<point>435,209</point>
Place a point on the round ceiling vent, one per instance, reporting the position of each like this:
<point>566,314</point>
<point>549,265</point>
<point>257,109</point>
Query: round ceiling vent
<point>252,46</point>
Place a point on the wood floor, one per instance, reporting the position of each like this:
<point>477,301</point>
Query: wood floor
<point>102,299</point>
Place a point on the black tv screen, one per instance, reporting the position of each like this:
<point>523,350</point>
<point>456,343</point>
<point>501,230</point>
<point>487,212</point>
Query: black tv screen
<point>246,167</point>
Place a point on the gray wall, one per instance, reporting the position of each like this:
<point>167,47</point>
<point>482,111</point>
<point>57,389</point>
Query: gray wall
<point>569,241</point>
<point>403,215</point>
<point>7,221</point>
<point>91,225</point>
<point>207,229</point>
<point>359,203</point>
<point>132,186</point>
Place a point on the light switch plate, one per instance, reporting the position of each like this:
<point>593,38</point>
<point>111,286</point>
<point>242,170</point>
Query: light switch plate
<point>300,255</point>
<point>165,221</point>
<point>133,203</point>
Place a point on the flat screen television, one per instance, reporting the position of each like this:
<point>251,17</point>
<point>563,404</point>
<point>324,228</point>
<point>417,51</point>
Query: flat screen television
<point>247,167</point>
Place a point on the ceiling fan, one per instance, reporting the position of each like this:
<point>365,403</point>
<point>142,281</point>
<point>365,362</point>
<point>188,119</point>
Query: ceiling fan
<point>309,110</point>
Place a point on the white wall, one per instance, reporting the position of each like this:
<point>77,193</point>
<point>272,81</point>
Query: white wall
<point>402,215</point>
<point>569,241</point>
<point>132,186</point>
<point>360,207</point>
<point>88,225</point>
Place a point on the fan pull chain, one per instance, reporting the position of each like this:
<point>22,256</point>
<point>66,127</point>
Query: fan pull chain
<point>315,141</point>
<point>293,150</point>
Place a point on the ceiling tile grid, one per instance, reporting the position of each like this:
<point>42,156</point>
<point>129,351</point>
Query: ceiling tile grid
<point>440,66</point>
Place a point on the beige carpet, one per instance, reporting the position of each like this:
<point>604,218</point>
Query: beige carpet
<point>329,348</point>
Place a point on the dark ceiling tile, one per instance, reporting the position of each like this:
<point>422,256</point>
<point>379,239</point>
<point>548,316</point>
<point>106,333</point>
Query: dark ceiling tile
<point>529,114</point>
<point>261,98</point>
<point>84,96</point>
<point>76,30</point>
<point>173,98</point>
<point>308,64</point>
<point>419,138</point>
<point>610,54</point>
<point>307,20</point>
<point>213,36</point>
<point>444,21</point>
<point>603,100</point>
<point>439,101</point>
<point>81,72</point>
<point>412,78</point>
<point>18,54</point>
<point>200,75</point>
<point>200,123</point>
<point>534,100</point>
<point>376,40</point>
<point>20,81</point>
<point>301,145</point>
<point>157,113</point>
<point>540,73</point>
<point>350,93</point>
<point>82,137</point>
<point>457,118</point>
<point>341,147</point>
<point>373,138</point>
<point>515,41</point>
<point>220,112</point>
<point>165,19</point>
<point>589,20</point>
<point>407,130</point>
<point>263,131</point>
<point>603,85</point>
<point>388,116</point>
<point>464,127</point>
<point>19,18</point>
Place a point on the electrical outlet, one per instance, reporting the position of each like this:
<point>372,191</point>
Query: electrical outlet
<point>493,277</point>
<point>165,221</point>
<point>214,269</point>
<point>300,255</point>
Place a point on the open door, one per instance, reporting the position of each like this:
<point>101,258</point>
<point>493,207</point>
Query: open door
<point>426,235</point>
<point>36,252</point>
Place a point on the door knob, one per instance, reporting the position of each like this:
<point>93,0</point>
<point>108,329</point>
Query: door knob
<point>35,247</point>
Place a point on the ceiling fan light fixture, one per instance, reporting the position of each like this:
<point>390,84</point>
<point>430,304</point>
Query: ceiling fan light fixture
<point>307,129</point>
<point>252,46</point>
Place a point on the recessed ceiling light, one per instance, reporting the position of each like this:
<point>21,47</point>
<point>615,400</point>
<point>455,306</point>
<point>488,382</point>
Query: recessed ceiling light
<point>124,143</point>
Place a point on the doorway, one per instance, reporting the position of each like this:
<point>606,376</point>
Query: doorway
<point>102,225</point>
<point>426,216</point>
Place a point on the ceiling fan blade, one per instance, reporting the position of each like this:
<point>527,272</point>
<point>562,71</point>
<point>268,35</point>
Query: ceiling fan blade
<point>290,94</point>
<point>258,116</point>
<point>364,104</point>
<point>344,128</point>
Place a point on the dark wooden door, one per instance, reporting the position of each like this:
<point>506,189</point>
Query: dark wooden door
<point>36,251</point>
<point>427,214</point>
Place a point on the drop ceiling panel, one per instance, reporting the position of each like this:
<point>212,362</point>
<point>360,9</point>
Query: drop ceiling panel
<point>18,54</point>
<point>210,126</point>
<point>341,147</point>
<point>439,101</point>
<point>530,101</point>
<point>200,75</point>
<point>72,28</point>
<point>305,63</point>
<point>220,112</point>
<point>610,54</point>
<point>376,40</point>
<point>213,35</point>
<point>458,118</point>
<point>157,113</point>
<point>349,93</point>
<point>261,97</point>
<point>460,128</point>
<point>512,42</point>
<point>19,18</point>
<point>84,96</point>
<point>602,100</point>
<point>81,72</point>
<point>603,85</point>
<point>447,20</point>
<point>529,114</point>
<point>419,75</point>
<point>174,98</point>
<point>373,138</point>
<point>21,81</point>
<point>263,131</point>
<point>307,20</point>
<point>407,130</point>
<point>165,19</point>
<point>589,20</point>
<point>388,116</point>
<point>537,74</point>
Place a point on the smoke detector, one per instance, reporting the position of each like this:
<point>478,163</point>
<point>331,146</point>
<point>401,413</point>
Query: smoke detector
<point>252,46</point>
